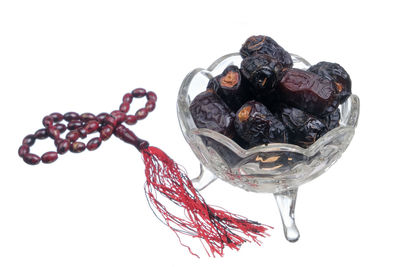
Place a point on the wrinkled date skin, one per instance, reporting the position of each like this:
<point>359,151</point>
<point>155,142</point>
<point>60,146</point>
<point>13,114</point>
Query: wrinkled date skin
<point>304,129</point>
<point>309,92</point>
<point>267,101</point>
<point>231,87</point>
<point>256,125</point>
<point>337,74</point>
<point>209,111</point>
<point>260,44</point>
<point>263,73</point>
<point>332,120</point>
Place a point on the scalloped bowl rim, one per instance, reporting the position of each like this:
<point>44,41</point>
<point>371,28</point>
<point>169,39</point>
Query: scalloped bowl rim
<point>271,147</point>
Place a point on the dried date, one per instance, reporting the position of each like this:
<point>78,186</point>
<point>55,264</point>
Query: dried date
<point>332,120</point>
<point>309,92</point>
<point>256,125</point>
<point>263,73</point>
<point>260,44</point>
<point>242,143</point>
<point>337,74</point>
<point>304,129</point>
<point>231,87</point>
<point>209,111</point>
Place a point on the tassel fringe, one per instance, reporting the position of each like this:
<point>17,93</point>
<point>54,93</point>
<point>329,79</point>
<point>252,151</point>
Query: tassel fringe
<point>216,228</point>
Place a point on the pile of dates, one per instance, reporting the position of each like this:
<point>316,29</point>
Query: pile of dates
<point>266,100</point>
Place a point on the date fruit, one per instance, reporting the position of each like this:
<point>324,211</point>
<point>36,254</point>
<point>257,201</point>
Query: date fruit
<point>256,125</point>
<point>260,44</point>
<point>209,111</point>
<point>332,120</point>
<point>266,100</point>
<point>309,92</point>
<point>337,74</point>
<point>231,87</point>
<point>304,129</point>
<point>263,73</point>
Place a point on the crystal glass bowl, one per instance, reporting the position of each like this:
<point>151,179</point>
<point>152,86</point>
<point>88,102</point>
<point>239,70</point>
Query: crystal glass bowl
<point>274,168</point>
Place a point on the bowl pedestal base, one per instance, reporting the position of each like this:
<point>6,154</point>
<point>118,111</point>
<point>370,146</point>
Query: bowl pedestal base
<point>285,200</point>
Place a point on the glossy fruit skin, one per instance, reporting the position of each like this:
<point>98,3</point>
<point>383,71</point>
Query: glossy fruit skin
<point>264,74</point>
<point>304,129</point>
<point>231,87</point>
<point>209,111</point>
<point>308,91</point>
<point>260,44</point>
<point>337,74</point>
<point>256,125</point>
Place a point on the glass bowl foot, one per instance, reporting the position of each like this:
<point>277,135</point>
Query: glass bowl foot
<point>204,179</point>
<point>286,201</point>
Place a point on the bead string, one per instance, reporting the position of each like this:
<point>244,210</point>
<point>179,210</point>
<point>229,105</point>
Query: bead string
<point>80,126</point>
<point>215,227</point>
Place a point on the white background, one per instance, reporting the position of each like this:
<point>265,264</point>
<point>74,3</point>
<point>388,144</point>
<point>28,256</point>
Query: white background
<point>89,209</point>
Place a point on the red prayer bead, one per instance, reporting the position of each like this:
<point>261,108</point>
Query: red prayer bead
<point>124,107</point>
<point>41,134</point>
<point>61,127</point>
<point>141,114</point>
<point>63,146</point>
<point>77,147</point>
<point>74,124</point>
<point>73,136</point>
<point>106,132</point>
<point>150,106</point>
<point>82,125</point>
<point>29,140</point>
<point>57,117</point>
<point>24,149</point>
<point>82,132</point>
<point>58,141</point>
<point>138,92</point>
<point>47,121</point>
<point>53,132</point>
<point>127,98</point>
<point>88,117</point>
<point>69,116</point>
<point>102,116</point>
<point>111,120</point>
<point>118,115</point>
<point>91,126</point>
<point>151,96</point>
<point>131,119</point>
<point>49,157</point>
<point>93,143</point>
<point>31,159</point>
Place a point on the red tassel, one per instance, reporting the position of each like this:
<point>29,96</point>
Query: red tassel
<point>216,228</point>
